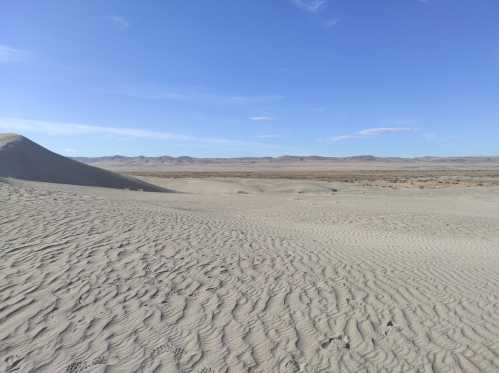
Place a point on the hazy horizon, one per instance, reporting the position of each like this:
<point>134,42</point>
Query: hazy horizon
<point>340,156</point>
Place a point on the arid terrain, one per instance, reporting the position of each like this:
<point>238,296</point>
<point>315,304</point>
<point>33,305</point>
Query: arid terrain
<point>249,275</point>
<point>273,186</point>
<point>423,172</point>
<point>372,265</point>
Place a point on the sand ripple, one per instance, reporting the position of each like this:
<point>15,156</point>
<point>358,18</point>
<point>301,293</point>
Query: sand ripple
<point>173,283</point>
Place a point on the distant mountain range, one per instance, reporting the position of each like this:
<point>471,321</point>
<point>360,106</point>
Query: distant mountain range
<point>165,160</point>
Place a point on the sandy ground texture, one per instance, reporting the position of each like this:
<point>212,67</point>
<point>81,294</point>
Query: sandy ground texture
<point>249,276</point>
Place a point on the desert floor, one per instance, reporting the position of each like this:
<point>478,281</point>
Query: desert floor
<point>249,275</point>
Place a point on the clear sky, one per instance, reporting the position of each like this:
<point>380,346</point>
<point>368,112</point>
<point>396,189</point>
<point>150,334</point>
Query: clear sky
<point>252,77</point>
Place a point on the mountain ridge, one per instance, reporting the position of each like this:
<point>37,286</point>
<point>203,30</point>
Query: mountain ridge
<point>284,158</point>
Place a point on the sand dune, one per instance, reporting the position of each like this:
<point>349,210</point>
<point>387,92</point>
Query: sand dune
<point>23,159</point>
<point>361,280</point>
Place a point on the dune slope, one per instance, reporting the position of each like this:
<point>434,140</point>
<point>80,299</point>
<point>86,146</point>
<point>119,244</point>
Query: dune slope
<point>21,158</point>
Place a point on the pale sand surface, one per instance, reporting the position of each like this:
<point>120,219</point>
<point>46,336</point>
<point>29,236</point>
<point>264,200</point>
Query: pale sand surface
<point>237,275</point>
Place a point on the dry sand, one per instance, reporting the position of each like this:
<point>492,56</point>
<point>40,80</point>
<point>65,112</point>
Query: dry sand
<point>238,275</point>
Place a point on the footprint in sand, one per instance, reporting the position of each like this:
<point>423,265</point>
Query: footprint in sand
<point>76,367</point>
<point>337,342</point>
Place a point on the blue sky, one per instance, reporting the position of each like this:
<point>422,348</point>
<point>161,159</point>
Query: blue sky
<point>260,77</point>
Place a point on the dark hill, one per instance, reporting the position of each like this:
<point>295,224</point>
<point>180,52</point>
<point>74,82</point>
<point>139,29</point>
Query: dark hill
<point>21,158</point>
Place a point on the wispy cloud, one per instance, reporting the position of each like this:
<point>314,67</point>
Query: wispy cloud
<point>120,22</point>
<point>9,54</point>
<point>370,132</point>
<point>261,119</point>
<point>74,129</point>
<point>384,130</point>
<point>315,7</point>
<point>312,6</point>
<point>20,125</point>
<point>155,93</point>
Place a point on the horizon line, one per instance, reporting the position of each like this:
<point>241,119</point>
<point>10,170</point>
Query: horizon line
<point>330,157</point>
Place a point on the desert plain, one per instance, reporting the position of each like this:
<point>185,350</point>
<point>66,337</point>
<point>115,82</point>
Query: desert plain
<point>392,271</point>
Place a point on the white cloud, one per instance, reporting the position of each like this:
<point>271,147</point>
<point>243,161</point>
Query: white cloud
<point>262,119</point>
<point>74,129</point>
<point>9,54</point>
<point>120,22</point>
<point>371,132</point>
<point>312,6</point>
<point>344,137</point>
<point>384,130</point>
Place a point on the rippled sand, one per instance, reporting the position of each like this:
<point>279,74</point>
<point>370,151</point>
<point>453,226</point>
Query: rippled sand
<point>248,276</point>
